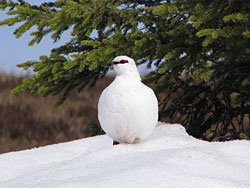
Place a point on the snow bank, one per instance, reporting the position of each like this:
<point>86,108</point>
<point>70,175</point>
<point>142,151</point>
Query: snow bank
<point>168,158</point>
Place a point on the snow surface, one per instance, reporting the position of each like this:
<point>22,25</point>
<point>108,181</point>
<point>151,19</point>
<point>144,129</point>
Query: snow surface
<point>168,158</point>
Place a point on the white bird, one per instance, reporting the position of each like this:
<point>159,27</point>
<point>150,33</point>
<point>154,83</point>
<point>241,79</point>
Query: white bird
<point>127,109</point>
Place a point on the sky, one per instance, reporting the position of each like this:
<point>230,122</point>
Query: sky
<point>14,51</point>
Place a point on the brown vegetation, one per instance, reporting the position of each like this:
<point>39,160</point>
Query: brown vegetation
<point>28,121</point>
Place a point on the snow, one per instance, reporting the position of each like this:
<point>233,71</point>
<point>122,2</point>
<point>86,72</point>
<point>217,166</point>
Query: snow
<point>169,157</point>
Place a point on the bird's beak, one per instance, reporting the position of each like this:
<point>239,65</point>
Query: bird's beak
<point>115,62</point>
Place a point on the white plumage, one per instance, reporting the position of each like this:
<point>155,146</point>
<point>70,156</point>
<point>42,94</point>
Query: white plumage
<point>127,109</point>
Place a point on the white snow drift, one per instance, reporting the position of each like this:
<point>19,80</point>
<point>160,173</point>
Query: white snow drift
<point>168,158</point>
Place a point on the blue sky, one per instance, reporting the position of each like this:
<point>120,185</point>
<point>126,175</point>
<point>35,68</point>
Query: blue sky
<point>14,51</point>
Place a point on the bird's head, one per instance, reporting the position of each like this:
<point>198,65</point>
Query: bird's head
<point>125,65</point>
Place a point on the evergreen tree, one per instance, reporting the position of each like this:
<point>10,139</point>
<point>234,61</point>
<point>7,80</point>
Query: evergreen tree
<point>207,41</point>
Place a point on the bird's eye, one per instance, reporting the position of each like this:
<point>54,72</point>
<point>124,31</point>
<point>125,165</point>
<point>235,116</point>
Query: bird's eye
<point>124,61</point>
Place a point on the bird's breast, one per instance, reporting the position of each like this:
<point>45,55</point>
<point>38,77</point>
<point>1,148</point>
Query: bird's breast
<point>127,110</point>
<point>127,98</point>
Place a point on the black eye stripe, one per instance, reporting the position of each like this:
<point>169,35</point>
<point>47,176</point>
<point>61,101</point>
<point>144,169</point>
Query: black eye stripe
<point>118,62</point>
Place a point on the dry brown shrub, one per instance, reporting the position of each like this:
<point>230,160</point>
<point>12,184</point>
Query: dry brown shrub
<point>28,121</point>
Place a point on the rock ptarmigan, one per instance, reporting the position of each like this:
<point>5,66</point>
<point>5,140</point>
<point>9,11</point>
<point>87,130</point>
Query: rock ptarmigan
<point>127,109</point>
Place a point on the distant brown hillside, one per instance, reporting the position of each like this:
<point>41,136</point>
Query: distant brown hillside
<point>28,121</point>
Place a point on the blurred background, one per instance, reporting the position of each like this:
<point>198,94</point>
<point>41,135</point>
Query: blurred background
<point>30,121</point>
